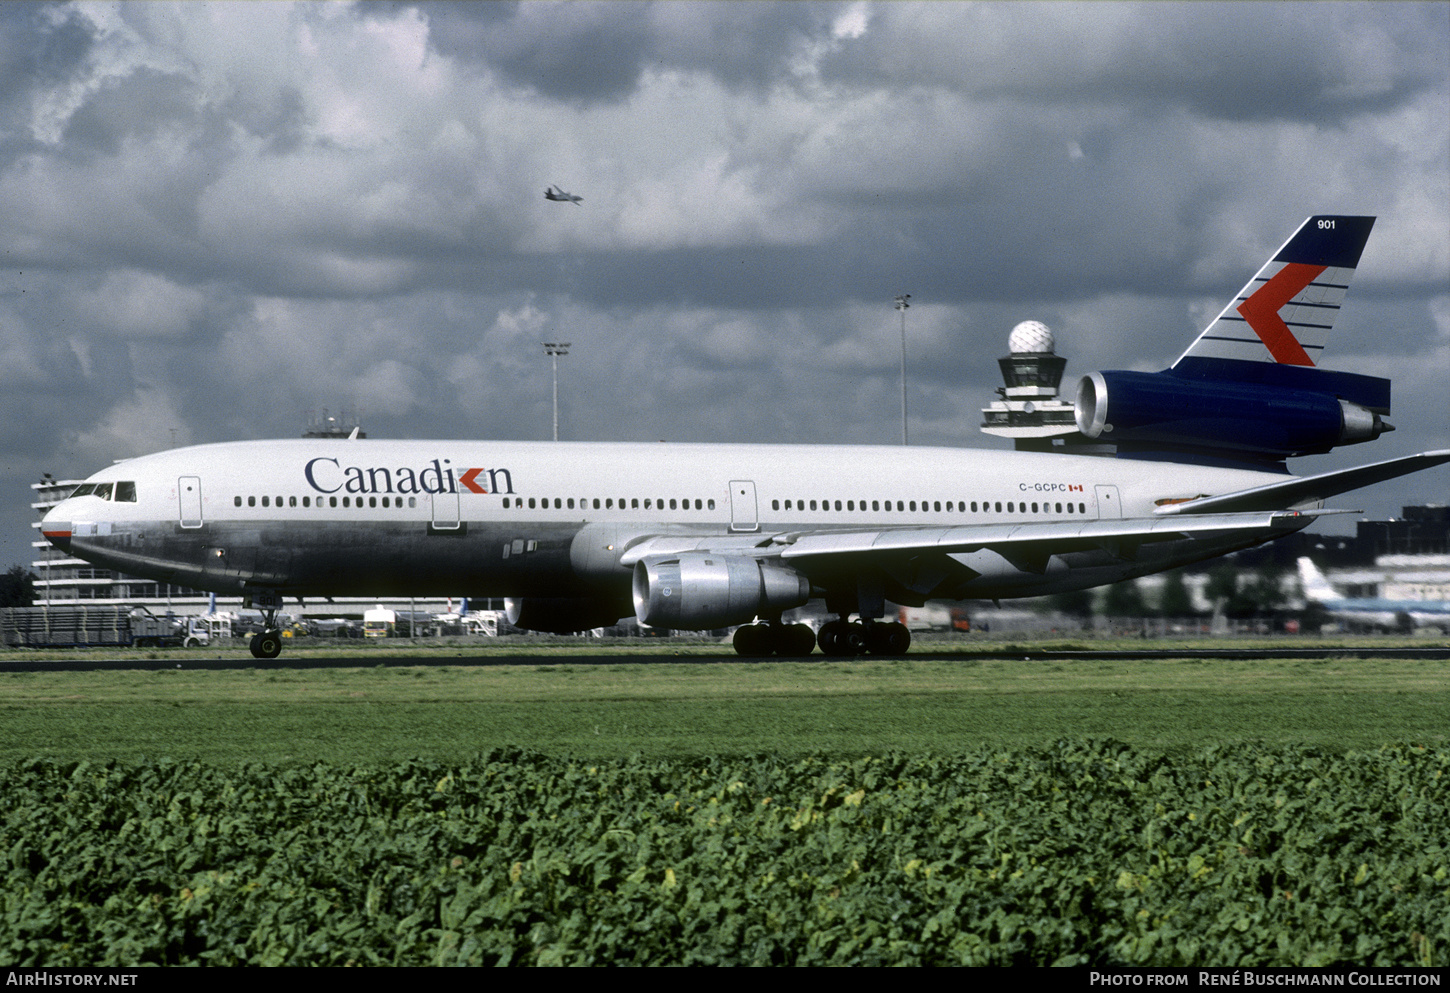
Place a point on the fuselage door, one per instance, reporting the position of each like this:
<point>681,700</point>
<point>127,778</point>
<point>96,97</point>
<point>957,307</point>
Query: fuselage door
<point>445,511</point>
<point>743,513</point>
<point>1110,505</point>
<point>188,498</point>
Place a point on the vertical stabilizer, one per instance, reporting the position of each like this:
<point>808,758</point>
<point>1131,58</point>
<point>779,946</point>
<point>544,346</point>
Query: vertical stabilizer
<point>1316,587</point>
<point>1286,312</point>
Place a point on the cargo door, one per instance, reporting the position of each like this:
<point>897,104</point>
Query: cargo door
<point>188,499</point>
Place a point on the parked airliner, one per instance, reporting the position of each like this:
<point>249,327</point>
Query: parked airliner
<point>1374,611</point>
<point>697,537</point>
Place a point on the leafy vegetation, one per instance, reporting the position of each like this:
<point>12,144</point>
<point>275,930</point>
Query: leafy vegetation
<point>1077,852</point>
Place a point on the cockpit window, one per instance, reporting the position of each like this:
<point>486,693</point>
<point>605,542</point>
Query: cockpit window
<point>85,489</point>
<point>126,492</point>
<point>103,490</point>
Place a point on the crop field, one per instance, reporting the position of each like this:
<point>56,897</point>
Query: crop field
<point>700,809</point>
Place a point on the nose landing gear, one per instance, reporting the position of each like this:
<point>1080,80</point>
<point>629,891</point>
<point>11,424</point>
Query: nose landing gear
<point>268,644</point>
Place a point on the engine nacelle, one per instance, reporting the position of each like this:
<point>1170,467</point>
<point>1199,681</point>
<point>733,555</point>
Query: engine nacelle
<point>563,615</point>
<point>697,591</point>
<point>1145,410</point>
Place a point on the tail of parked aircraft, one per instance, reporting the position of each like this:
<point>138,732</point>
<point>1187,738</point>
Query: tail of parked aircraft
<point>1316,587</point>
<point>1248,390</point>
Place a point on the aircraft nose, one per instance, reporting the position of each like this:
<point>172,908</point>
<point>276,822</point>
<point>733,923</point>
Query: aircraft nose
<point>56,527</point>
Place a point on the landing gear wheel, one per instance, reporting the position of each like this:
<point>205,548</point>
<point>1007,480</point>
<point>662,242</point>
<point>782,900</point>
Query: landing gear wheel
<point>888,639</point>
<point>839,639</point>
<point>753,641</point>
<point>267,645</point>
<point>794,640</point>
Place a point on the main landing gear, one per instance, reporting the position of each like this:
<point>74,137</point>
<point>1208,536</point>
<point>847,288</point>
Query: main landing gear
<point>838,638</point>
<point>268,644</point>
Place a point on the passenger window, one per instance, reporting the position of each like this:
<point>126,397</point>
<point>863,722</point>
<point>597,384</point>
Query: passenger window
<point>710,504</point>
<point>265,502</point>
<point>775,505</point>
<point>672,503</point>
<point>332,501</point>
<point>252,501</point>
<point>838,504</point>
<point>306,501</point>
<point>236,501</point>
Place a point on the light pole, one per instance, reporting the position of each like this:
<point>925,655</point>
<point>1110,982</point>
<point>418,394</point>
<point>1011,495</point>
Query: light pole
<point>554,349</point>
<point>901,305</point>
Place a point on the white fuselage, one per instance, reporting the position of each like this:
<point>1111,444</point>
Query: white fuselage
<point>316,517</point>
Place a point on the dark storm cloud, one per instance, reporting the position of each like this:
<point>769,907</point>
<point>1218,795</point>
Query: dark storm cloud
<point>1230,61</point>
<point>597,52</point>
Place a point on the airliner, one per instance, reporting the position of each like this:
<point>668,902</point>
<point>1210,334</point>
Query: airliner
<point>1375,611</point>
<point>710,536</point>
<point>560,196</point>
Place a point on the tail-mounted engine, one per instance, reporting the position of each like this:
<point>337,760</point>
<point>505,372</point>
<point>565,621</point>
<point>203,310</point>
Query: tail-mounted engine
<point>700,590</point>
<point>1247,410</point>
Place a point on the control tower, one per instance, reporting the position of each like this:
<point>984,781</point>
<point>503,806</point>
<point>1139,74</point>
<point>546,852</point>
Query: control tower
<point>1029,412</point>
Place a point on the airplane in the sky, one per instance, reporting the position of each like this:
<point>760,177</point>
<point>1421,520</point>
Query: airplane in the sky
<point>1372,611</point>
<point>707,536</point>
<point>553,193</point>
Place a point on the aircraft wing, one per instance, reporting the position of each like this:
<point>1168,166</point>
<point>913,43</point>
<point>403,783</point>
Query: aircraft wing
<point>1300,489</point>
<point>1050,537</point>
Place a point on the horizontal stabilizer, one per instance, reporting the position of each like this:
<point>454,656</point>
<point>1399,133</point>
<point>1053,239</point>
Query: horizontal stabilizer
<point>1294,491</point>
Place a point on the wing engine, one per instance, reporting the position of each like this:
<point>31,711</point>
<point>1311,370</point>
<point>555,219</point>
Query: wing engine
<point>699,590</point>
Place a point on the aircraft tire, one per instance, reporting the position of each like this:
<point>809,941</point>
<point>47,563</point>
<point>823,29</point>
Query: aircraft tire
<point>267,645</point>
<point>840,640</point>
<point>752,641</point>
<point>890,639</point>
<point>794,640</point>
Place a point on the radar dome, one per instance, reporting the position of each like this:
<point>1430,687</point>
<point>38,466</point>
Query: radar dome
<point>1030,336</point>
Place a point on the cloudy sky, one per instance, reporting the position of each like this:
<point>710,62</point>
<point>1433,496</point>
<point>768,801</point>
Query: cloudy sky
<point>219,219</point>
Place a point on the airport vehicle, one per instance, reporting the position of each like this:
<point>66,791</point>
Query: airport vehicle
<point>379,622</point>
<point>699,537</point>
<point>1377,612</point>
<point>553,193</point>
<point>108,626</point>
